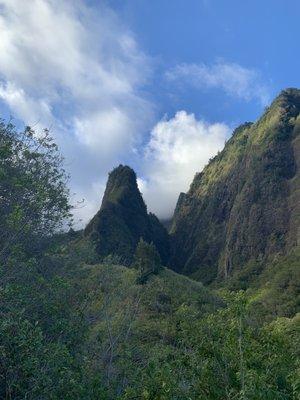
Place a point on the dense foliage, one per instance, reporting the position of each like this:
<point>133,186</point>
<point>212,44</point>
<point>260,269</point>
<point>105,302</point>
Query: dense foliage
<point>39,326</point>
<point>40,333</point>
<point>224,355</point>
<point>33,194</point>
<point>146,260</point>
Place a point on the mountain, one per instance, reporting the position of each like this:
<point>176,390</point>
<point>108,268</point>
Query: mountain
<point>123,219</point>
<point>76,327</point>
<point>244,207</point>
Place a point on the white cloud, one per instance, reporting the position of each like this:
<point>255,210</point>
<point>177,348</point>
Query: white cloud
<point>232,78</point>
<point>108,129</point>
<point>78,70</point>
<point>29,109</point>
<point>178,148</point>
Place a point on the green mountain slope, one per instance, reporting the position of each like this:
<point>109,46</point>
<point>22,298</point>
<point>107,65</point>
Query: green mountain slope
<point>72,327</point>
<point>274,286</point>
<point>123,219</point>
<point>245,204</point>
<point>171,337</point>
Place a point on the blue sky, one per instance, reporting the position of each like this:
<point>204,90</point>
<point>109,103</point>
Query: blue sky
<point>156,84</point>
<point>257,34</point>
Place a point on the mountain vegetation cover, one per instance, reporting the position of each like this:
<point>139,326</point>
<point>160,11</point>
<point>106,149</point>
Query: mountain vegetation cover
<point>124,310</point>
<point>244,205</point>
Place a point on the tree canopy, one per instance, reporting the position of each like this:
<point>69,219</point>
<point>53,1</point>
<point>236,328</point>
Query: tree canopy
<point>34,199</point>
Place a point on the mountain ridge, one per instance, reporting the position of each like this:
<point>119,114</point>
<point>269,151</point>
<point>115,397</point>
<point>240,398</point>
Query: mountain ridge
<point>241,206</point>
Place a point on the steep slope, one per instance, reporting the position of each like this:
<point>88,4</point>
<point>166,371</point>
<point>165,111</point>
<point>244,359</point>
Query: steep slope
<point>245,204</point>
<point>123,219</point>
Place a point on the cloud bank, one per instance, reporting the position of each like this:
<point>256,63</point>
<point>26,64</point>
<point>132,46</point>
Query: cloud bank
<point>178,148</point>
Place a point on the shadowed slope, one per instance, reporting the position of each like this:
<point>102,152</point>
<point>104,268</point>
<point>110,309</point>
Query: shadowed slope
<point>123,219</point>
<point>245,204</point>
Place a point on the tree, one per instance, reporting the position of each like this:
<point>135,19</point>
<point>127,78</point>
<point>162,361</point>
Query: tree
<point>39,323</point>
<point>146,260</point>
<point>34,199</point>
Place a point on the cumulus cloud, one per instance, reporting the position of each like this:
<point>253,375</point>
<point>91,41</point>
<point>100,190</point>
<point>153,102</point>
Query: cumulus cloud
<point>78,70</point>
<point>178,148</point>
<point>232,78</point>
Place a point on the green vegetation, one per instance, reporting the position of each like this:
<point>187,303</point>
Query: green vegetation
<point>39,325</point>
<point>34,198</point>
<point>241,208</point>
<point>146,260</point>
<point>76,323</point>
<point>277,290</point>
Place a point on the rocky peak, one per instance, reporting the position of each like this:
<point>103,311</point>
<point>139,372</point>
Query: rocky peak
<point>123,219</point>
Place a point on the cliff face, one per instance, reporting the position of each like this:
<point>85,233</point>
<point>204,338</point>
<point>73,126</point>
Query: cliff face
<point>245,204</point>
<point>123,219</point>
